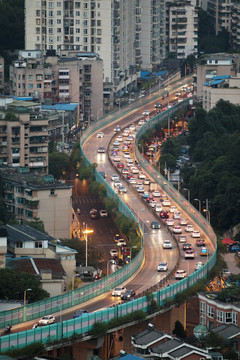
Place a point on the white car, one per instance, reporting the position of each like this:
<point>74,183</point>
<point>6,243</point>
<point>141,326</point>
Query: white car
<point>177,229</point>
<point>189,254</point>
<point>141,175</point>
<point>167,244</point>
<point>119,138</point>
<point>198,265</point>
<point>163,266</point>
<point>156,193</point>
<point>183,221</point>
<point>141,122</point>
<point>134,170</point>
<point>113,252</point>
<point>153,203</point>
<point>117,183</point>
<point>116,159</point>
<point>182,239</point>
<point>116,142</point>
<point>172,209</point>
<point>132,181</point>
<point>47,320</point>
<point>114,177</point>
<point>180,274</point>
<point>132,127</point>
<point>126,155</point>
<point>189,228</point>
<point>166,203</point>
<point>103,213</point>
<point>100,134</point>
<point>169,222</point>
<point>158,207</point>
<point>122,189</point>
<point>140,189</point>
<point>121,242</point>
<point>130,163</point>
<point>177,215</point>
<point>146,113</point>
<point>118,291</point>
<point>196,234</point>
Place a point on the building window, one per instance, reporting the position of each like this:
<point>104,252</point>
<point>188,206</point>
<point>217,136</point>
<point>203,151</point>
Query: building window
<point>59,21</point>
<point>85,40</point>
<point>219,315</point>
<point>228,317</point>
<point>202,307</point>
<point>18,244</point>
<point>234,318</point>
<point>50,13</point>
<point>59,4</point>
<point>77,30</point>
<point>78,13</point>
<point>38,245</point>
<point>52,192</point>
<point>59,13</point>
<point>30,86</point>
<point>85,31</point>
<point>210,311</point>
<point>85,5</point>
<point>85,14</point>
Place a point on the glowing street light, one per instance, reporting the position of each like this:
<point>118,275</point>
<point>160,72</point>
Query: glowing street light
<point>86,232</point>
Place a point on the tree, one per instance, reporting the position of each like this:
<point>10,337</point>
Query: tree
<point>179,330</point>
<point>36,224</point>
<point>59,163</point>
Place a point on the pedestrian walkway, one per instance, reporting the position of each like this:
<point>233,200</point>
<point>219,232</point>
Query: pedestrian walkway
<point>231,262</point>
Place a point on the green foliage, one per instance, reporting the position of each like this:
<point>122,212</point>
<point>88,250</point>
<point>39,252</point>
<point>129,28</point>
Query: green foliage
<point>10,116</point>
<point>99,329</point>
<point>3,211</point>
<point>152,306</point>
<point>28,352</point>
<point>52,146</point>
<point>110,204</point>
<point>59,163</point>
<point>36,224</point>
<point>13,284</point>
<point>179,330</point>
<point>97,189</point>
<point>124,224</point>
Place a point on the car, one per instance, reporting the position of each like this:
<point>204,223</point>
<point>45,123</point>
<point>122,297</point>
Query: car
<point>149,199</point>
<point>158,207</point>
<point>103,213</point>
<point>125,150</point>
<point>101,149</point>
<point>156,193</point>
<point>79,313</point>
<point>119,138</point>
<point>169,222</point>
<point>117,183</point>
<point>120,165</point>
<point>146,113</point>
<point>78,211</point>
<point>100,134</point>
<point>116,159</point>
<point>200,242</point>
<point>153,203</point>
<point>118,291</point>
<point>182,238</point>
<point>114,177</point>
<point>116,142</point>
<point>130,138</point>
<point>114,252</point>
<point>163,266</point>
<point>93,213</point>
<point>155,225</point>
<point>177,229</point>
<point>183,221</point>
<point>204,251</point>
<point>145,195</point>
<point>180,274</point>
<point>132,180</point>
<point>122,189</point>
<point>129,163</point>
<point>125,171</point>
<point>146,181</point>
<point>195,234</point>
<point>176,215</point>
<point>126,155</point>
<point>134,170</point>
<point>121,242</point>
<point>166,203</point>
<point>187,246</point>
<point>117,128</point>
<point>163,197</point>
<point>140,189</point>
<point>117,237</point>
<point>235,248</point>
<point>141,175</point>
<point>47,320</point>
<point>164,215</point>
<point>173,209</point>
<point>127,295</point>
<point>167,244</point>
<point>198,265</point>
<point>189,228</point>
<point>189,254</point>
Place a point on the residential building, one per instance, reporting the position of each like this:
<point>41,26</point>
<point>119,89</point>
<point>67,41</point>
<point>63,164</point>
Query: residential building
<point>182,25</point>
<point>220,13</point>
<point>28,196</point>
<point>71,77</point>
<point>210,66</point>
<point>128,35</point>
<point>1,75</point>
<point>221,87</point>
<point>235,36</point>
<point>154,344</point>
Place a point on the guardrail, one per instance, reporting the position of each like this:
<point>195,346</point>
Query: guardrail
<point>84,324</point>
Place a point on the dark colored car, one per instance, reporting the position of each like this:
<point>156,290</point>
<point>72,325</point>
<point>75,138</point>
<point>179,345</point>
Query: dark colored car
<point>79,313</point>
<point>128,295</point>
<point>187,247</point>
<point>200,242</point>
<point>155,225</point>
<point>235,248</point>
<point>164,215</point>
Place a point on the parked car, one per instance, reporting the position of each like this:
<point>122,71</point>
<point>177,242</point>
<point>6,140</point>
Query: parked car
<point>180,274</point>
<point>127,295</point>
<point>118,291</point>
<point>79,313</point>
<point>167,244</point>
<point>155,225</point>
<point>103,213</point>
<point>163,266</point>
<point>47,320</point>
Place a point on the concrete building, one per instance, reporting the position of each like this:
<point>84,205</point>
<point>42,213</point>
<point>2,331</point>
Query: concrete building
<point>1,75</point>
<point>220,13</point>
<point>182,24</point>
<point>72,77</point>
<point>211,66</point>
<point>28,197</point>
<point>128,35</point>
<point>223,87</point>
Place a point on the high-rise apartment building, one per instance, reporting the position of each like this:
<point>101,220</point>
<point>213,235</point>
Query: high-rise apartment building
<point>128,35</point>
<point>1,75</point>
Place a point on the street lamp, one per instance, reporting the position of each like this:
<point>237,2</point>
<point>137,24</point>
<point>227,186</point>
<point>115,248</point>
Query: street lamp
<point>188,193</point>
<point>208,215</point>
<point>25,296</point>
<point>86,232</point>
<point>199,204</point>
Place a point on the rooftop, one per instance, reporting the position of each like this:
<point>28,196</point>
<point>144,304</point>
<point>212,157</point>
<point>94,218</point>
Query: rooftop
<point>148,336</point>
<point>22,233</point>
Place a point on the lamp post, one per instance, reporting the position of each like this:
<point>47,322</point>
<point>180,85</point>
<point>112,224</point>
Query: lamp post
<point>25,296</point>
<point>188,193</point>
<point>86,232</point>
<point>208,215</point>
<point>199,204</point>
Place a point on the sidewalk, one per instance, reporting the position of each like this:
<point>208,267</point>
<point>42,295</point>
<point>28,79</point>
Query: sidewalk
<point>231,263</point>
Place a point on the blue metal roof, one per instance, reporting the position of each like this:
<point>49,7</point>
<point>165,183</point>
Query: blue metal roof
<point>144,73</point>
<point>130,357</point>
<point>160,73</point>
<point>220,77</point>
<point>25,98</point>
<point>216,82</point>
<point>60,107</point>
